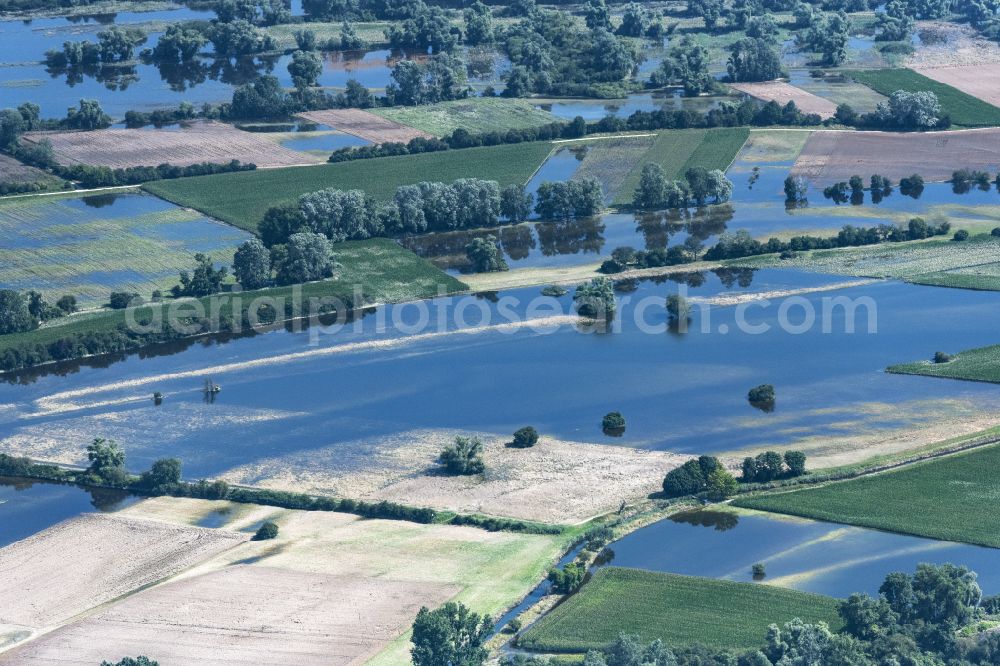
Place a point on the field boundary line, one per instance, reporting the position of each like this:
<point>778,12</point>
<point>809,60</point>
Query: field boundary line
<point>602,137</point>
<point>72,192</point>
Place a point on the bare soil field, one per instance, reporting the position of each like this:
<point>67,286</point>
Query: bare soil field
<point>365,125</point>
<point>981,80</point>
<point>244,615</point>
<point>832,156</point>
<point>200,142</point>
<point>783,93</point>
<point>81,563</point>
<point>944,44</point>
<point>12,171</point>
<point>555,481</point>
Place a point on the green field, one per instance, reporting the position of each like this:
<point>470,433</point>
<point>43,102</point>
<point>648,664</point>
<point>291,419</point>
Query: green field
<point>677,609</point>
<point>947,498</point>
<point>679,150</point>
<point>610,161</point>
<point>242,198</point>
<point>385,271</point>
<point>476,114</point>
<point>971,264</point>
<point>964,109</point>
<point>89,247</point>
<point>980,365</point>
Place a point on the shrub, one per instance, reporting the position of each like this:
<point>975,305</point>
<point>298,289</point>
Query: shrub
<point>758,571</point>
<point>266,531</point>
<point>996,232</point>
<point>941,357</point>
<point>961,235</point>
<point>120,300</point>
<point>525,438</point>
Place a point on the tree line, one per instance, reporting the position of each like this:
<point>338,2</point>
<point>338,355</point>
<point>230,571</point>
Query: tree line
<point>466,203</point>
<point>107,469</point>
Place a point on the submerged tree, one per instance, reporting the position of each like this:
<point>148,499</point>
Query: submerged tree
<point>596,299</point>
<point>484,255</point>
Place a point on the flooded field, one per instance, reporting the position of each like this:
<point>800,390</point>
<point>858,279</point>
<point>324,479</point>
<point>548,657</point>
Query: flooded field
<point>284,398</point>
<point>808,555</point>
<point>90,246</point>
<point>28,506</point>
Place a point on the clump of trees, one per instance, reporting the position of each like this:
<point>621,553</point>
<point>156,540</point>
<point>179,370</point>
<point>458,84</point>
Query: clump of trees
<point>704,476</point>
<point>524,438</point>
<point>596,299</point>
<point>827,33</point>
<point>114,45</point>
<point>771,465</point>
<point>613,422</point>
<point>762,397</point>
<point>624,258</point>
<point>753,59</point>
<point>686,65</point>
<point>963,180</point>
<point>205,279</point>
<point>550,54</point>
<point>107,463</point>
<point>942,357</point>
<point>352,215</point>
<point>569,579</point>
<point>268,530</point>
<point>464,457</point>
<point>698,188</point>
<point>569,199</point>
<point>133,661</point>
<point>23,312</point>
<point>451,634</point>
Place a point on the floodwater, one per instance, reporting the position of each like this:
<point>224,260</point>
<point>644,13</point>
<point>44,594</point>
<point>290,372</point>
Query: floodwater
<point>826,558</point>
<point>757,205</point>
<point>595,109</point>
<point>140,86</point>
<point>28,506</point>
<point>679,392</point>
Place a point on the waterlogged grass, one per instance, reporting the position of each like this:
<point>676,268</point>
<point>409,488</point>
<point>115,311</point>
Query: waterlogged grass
<point>371,33</point>
<point>981,365</point>
<point>89,247</point>
<point>379,268</point>
<point>676,609</point>
<point>611,161</point>
<point>679,150</point>
<point>948,498</point>
<point>964,109</point>
<point>476,114</point>
<point>242,198</point>
<point>970,264</point>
